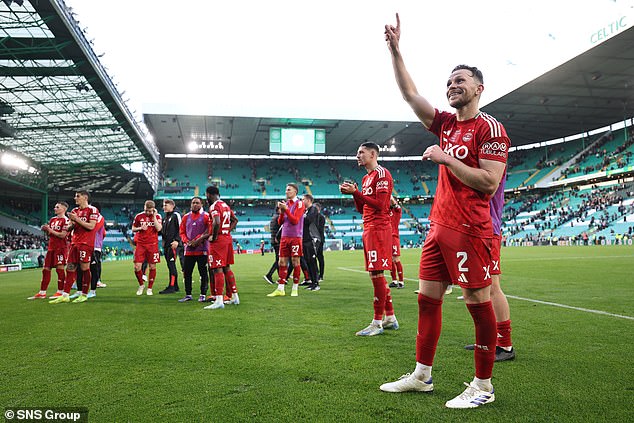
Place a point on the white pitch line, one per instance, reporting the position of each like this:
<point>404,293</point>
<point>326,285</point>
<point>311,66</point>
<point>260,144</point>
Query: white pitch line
<point>587,310</point>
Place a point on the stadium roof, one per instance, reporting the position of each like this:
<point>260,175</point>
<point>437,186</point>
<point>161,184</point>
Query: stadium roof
<point>591,91</point>
<point>58,106</point>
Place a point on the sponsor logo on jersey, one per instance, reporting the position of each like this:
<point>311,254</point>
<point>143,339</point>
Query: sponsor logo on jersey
<point>457,151</point>
<point>494,148</point>
<point>382,185</point>
<point>467,137</point>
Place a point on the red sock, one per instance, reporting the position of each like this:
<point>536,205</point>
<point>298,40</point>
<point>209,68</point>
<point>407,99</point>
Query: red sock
<point>306,277</point>
<point>283,272</point>
<point>231,279</point>
<point>46,279</point>
<point>85,281</point>
<point>61,277</point>
<point>219,282</point>
<point>380,285</point>
<point>150,278</point>
<point>484,354</point>
<point>71,275</point>
<point>393,270</point>
<point>389,307</point>
<point>429,326</point>
<point>139,276</point>
<point>297,271</point>
<point>399,271</point>
<point>504,333</point>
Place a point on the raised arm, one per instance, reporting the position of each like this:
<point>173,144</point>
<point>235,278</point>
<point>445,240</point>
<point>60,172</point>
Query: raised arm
<point>423,109</point>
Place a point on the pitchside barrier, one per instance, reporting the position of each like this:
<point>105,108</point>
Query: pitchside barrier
<point>564,243</point>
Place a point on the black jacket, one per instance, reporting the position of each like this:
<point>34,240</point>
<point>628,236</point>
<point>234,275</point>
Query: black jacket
<point>171,228</point>
<point>275,228</point>
<point>311,231</point>
<point>321,227</point>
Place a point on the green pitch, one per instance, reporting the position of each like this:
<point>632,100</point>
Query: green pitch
<point>129,358</point>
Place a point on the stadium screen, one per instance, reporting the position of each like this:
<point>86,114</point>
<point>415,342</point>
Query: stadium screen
<point>297,141</point>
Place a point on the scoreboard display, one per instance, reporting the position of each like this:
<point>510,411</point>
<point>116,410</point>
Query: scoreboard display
<point>297,141</point>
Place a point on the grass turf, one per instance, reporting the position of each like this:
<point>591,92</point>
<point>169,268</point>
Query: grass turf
<point>129,358</point>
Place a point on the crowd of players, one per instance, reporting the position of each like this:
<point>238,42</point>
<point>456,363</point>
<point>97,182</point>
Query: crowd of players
<point>462,246</point>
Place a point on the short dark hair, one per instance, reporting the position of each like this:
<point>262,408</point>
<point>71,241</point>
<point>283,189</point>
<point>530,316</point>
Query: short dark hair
<point>97,205</point>
<point>294,185</point>
<point>63,203</point>
<point>213,190</point>
<point>83,192</point>
<point>310,197</point>
<point>477,73</point>
<point>197,197</point>
<point>371,146</point>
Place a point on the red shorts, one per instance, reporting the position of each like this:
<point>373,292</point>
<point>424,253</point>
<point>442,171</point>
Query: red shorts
<point>220,253</point>
<point>496,268</point>
<point>80,254</point>
<point>291,247</point>
<point>55,258</point>
<point>377,248</point>
<point>149,253</point>
<point>396,246</point>
<point>453,256</point>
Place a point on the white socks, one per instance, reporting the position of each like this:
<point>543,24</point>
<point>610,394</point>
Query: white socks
<point>483,384</point>
<point>422,372</point>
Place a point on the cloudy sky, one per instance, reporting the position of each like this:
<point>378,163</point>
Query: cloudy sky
<point>327,58</point>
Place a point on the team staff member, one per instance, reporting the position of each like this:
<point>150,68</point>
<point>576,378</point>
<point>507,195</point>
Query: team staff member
<point>321,227</point>
<point>373,202</point>
<point>172,244</point>
<point>274,228</point>
<point>57,251</point>
<point>146,227</point>
<point>471,155</point>
<point>193,227</point>
<point>311,241</point>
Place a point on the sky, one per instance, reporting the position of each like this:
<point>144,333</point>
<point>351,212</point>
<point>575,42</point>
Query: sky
<point>328,59</point>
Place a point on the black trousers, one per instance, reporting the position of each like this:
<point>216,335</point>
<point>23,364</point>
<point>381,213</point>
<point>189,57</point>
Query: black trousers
<point>310,255</point>
<point>95,269</point>
<point>275,266</point>
<point>319,250</point>
<point>188,269</point>
<point>171,255</point>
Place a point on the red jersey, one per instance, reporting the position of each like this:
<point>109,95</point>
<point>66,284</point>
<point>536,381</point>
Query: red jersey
<point>148,236</point>
<point>82,236</point>
<point>58,224</point>
<point>456,205</point>
<point>373,201</point>
<point>395,217</point>
<point>223,211</point>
